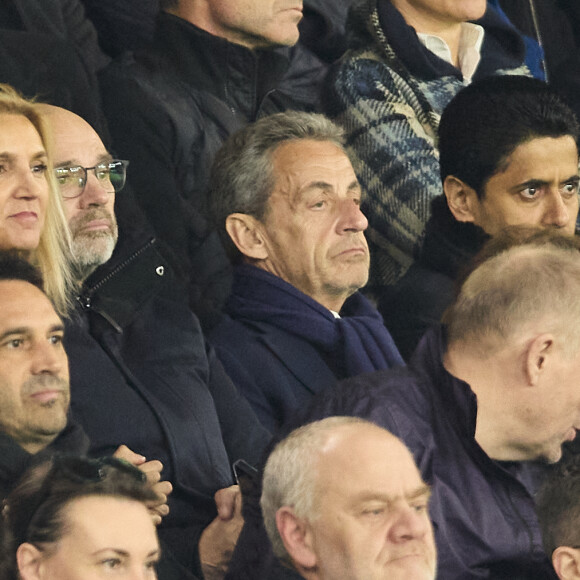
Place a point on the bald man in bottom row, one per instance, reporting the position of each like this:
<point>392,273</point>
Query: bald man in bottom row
<point>343,499</point>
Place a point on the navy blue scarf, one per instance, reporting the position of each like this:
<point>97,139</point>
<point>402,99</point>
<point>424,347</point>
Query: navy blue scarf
<point>359,338</point>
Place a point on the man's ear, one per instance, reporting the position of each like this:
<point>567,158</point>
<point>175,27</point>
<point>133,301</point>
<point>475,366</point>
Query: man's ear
<point>566,562</point>
<point>297,537</point>
<point>29,559</point>
<point>460,199</point>
<point>537,355</point>
<point>246,232</point>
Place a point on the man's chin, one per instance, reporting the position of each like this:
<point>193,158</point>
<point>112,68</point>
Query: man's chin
<point>416,567</point>
<point>93,251</point>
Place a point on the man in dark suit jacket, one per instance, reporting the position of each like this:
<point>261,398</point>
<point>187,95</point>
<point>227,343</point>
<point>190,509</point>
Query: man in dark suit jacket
<point>286,200</point>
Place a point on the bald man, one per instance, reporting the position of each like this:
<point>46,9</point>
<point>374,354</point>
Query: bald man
<point>140,371</point>
<point>343,500</point>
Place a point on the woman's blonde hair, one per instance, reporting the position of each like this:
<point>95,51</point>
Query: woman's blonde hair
<point>53,253</point>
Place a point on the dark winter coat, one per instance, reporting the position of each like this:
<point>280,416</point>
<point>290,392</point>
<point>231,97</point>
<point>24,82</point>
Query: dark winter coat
<point>141,375</point>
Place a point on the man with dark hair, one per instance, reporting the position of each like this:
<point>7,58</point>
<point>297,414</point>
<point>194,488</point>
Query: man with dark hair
<point>34,378</point>
<point>558,506</point>
<point>287,203</point>
<point>213,67</point>
<point>406,60</point>
<point>140,370</point>
<point>508,156</point>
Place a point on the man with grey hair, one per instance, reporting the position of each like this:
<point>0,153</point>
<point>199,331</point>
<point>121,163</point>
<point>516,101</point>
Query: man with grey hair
<point>486,396</point>
<point>287,203</point>
<point>342,499</point>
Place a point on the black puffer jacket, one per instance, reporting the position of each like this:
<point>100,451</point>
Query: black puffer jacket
<point>170,108</point>
<point>141,375</point>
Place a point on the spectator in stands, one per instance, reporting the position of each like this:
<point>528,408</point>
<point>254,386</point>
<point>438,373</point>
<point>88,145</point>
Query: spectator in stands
<point>558,505</point>
<point>406,61</point>
<point>34,375</point>
<point>32,220</point>
<point>492,391</point>
<point>343,500</point>
<point>34,422</point>
<point>508,157</point>
<point>211,69</point>
<point>287,202</point>
<point>79,519</point>
<point>140,371</point>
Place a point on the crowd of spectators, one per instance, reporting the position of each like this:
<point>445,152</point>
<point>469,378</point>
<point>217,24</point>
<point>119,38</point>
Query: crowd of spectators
<point>289,289</point>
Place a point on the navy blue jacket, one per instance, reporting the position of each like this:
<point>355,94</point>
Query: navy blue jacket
<point>482,510</point>
<point>141,375</point>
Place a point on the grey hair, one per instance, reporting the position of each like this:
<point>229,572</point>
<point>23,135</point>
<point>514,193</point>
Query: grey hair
<point>242,175</point>
<point>291,474</point>
<point>514,290</point>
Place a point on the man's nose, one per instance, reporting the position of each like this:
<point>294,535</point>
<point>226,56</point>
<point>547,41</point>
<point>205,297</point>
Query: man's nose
<point>47,358</point>
<point>557,213</point>
<point>410,523</point>
<point>96,192</point>
<point>352,218</point>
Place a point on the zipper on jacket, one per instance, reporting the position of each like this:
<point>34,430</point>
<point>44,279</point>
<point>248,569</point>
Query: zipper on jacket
<point>85,298</point>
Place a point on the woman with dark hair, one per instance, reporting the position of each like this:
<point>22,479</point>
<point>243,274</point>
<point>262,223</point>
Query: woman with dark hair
<point>79,519</point>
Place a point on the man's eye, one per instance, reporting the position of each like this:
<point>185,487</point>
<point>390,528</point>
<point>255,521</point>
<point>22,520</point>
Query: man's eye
<point>570,188</point>
<point>530,192</point>
<point>56,339</point>
<point>63,176</point>
<point>102,172</point>
<point>420,507</point>
<point>14,343</point>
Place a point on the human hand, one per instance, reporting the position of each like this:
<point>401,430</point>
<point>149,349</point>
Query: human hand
<point>152,470</point>
<point>218,540</point>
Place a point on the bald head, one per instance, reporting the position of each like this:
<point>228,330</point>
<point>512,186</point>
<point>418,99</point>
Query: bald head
<point>343,499</point>
<point>90,210</point>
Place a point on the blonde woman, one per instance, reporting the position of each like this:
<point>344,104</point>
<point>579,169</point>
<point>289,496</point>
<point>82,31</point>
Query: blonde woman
<point>31,216</point>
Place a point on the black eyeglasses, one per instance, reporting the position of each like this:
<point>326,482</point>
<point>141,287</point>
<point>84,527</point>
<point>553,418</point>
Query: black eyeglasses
<point>76,469</point>
<point>72,180</point>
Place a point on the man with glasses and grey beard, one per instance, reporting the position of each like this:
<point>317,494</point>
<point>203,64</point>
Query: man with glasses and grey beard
<point>140,370</point>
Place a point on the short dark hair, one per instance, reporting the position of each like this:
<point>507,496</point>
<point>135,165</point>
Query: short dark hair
<point>34,511</point>
<point>486,121</point>
<point>558,505</point>
<point>14,267</point>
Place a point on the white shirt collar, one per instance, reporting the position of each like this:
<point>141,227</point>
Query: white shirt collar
<point>469,48</point>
